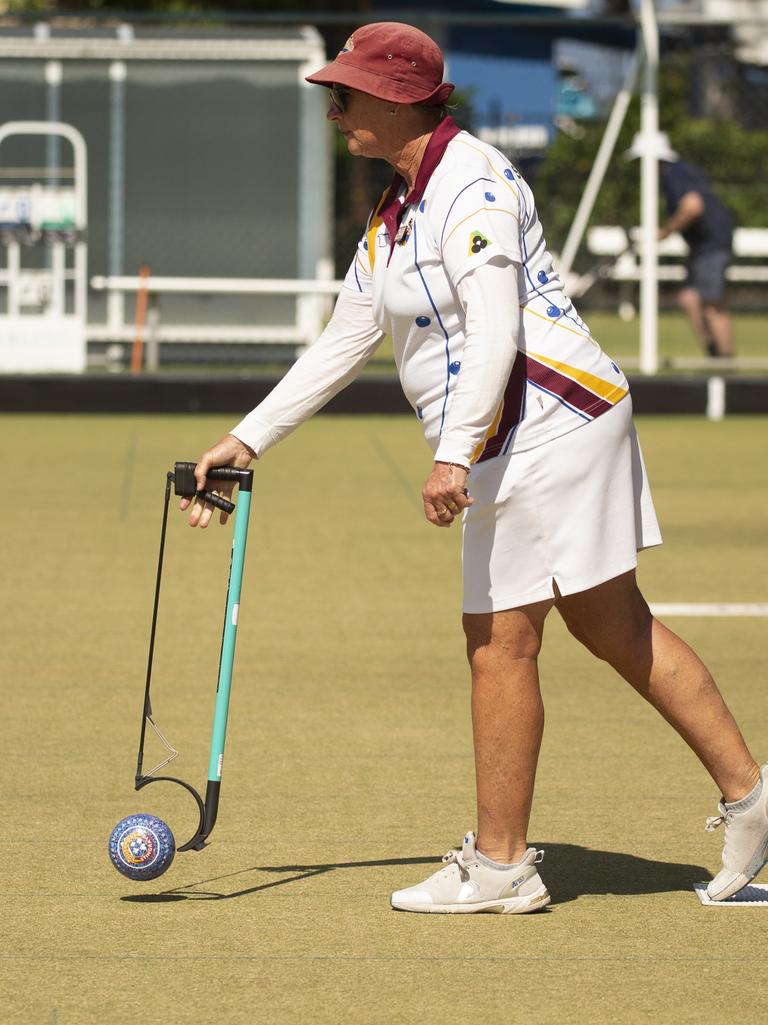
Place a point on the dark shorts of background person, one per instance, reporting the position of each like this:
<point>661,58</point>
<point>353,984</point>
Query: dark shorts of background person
<point>706,273</point>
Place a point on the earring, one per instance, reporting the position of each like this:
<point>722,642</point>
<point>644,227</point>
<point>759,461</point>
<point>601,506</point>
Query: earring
<point>393,111</point>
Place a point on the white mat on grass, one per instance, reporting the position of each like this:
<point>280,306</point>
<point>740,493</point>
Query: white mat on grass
<point>753,896</point>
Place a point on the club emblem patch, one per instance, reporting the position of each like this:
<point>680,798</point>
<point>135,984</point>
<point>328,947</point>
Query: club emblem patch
<point>349,45</point>
<point>477,242</point>
<point>404,232</point>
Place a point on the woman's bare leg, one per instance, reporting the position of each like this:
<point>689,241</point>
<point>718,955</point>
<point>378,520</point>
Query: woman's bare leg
<point>614,622</point>
<point>507,721</point>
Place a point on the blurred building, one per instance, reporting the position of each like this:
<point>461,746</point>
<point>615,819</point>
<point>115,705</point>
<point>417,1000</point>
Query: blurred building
<point>510,75</point>
<point>208,157</point>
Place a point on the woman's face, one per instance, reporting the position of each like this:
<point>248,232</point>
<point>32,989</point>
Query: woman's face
<point>365,122</point>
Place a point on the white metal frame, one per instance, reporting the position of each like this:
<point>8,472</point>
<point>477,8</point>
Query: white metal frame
<point>53,339</point>
<point>305,46</point>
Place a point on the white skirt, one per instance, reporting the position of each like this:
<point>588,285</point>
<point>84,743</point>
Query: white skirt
<point>575,511</point>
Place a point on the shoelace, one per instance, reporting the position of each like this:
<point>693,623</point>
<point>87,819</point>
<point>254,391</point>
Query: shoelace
<point>713,821</point>
<point>455,858</point>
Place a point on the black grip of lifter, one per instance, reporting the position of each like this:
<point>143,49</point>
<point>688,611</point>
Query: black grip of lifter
<point>224,473</point>
<point>215,500</point>
<point>186,485</point>
<point>243,477</point>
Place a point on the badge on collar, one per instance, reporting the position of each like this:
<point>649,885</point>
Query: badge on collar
<point>404,232</point>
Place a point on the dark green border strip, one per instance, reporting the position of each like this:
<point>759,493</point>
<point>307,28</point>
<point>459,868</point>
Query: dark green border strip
<point>173,393</point>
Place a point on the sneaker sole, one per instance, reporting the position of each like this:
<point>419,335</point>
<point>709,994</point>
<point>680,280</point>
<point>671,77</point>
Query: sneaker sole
<point>513,906</point>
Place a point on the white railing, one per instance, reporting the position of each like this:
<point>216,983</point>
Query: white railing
<point>312,310</point>
<point>612,241</point>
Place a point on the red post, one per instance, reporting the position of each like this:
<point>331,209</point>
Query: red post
<point>142,296</point>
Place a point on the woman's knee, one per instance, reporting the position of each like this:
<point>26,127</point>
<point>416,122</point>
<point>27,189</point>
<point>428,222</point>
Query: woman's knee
<point>513,633</point>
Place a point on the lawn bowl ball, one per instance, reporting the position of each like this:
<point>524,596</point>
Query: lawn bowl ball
<point>141,847</point>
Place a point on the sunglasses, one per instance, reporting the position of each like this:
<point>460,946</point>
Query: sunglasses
<point>339,95</point>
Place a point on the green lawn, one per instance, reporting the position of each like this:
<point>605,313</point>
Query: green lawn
<point>676,339</point>
<point>349,763</point>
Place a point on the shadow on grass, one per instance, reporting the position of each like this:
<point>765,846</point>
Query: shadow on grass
<point>293,874</point>
<point>575,871</point>
<point>572,871</point>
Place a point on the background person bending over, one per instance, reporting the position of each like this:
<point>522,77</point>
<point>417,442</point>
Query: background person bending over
<point>505,379</point>
<point>706,224</point>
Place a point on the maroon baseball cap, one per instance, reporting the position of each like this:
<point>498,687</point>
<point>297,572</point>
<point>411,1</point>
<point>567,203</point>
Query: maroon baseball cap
<point>392,61</point>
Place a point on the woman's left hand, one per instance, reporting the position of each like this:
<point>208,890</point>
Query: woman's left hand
<point>445,493</point>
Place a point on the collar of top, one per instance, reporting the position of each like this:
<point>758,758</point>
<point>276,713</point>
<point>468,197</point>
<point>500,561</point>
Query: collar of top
<point>390,209</point>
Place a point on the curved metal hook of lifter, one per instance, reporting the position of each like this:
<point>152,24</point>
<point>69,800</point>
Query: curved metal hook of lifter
<point>183,479</point>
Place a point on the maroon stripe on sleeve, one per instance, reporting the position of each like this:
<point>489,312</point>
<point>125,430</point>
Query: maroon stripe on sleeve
<point>567,389</point>
<point>512,410</point>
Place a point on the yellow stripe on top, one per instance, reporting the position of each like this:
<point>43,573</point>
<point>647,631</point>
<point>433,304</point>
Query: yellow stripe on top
<point>488,434</point>
<point>484,210</point>
<point>612,393</point>
<point>376,223</point>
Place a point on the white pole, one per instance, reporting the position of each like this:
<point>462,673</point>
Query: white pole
<point>599,167</point>
<point>314,219</point>
<point>649,193</point>
<point>116,223</point>
<point>53,78</point>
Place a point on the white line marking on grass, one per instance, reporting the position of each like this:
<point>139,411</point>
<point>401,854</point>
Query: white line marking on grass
<point>709,609</point>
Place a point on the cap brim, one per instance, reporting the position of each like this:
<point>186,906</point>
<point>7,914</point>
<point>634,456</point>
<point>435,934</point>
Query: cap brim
<point>341,72</point>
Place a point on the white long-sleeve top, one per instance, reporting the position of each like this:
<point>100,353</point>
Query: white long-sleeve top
<point>342,350</point>
<point>351,338</point>
<point>490,351</point>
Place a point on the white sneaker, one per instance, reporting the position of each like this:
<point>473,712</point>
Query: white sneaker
<point>466,885</point>
<point>746,840</point>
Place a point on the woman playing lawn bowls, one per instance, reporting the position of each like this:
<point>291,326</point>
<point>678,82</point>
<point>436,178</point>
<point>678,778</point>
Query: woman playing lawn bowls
<point>530,425</point>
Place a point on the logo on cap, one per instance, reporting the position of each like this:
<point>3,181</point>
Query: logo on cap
<point>349,45</point>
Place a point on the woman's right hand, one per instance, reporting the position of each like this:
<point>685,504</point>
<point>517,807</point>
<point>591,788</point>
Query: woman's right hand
<point>230,451</point>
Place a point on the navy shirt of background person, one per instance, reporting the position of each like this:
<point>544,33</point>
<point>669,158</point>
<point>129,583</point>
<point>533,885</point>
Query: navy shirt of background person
<point>706,224</point>
<point>713,229</point>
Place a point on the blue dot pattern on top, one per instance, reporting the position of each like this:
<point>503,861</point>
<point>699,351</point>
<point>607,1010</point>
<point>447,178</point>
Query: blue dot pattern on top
<point>553,311</point>
<point>419,412</point>
<point>455,367</point>
<point>615,368</point>
<point>490,197</point>
<point>365,244</point>
<point>423,321</point>
<point>422,204</point>
<point>542,277</point>
<point>508,173</point>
